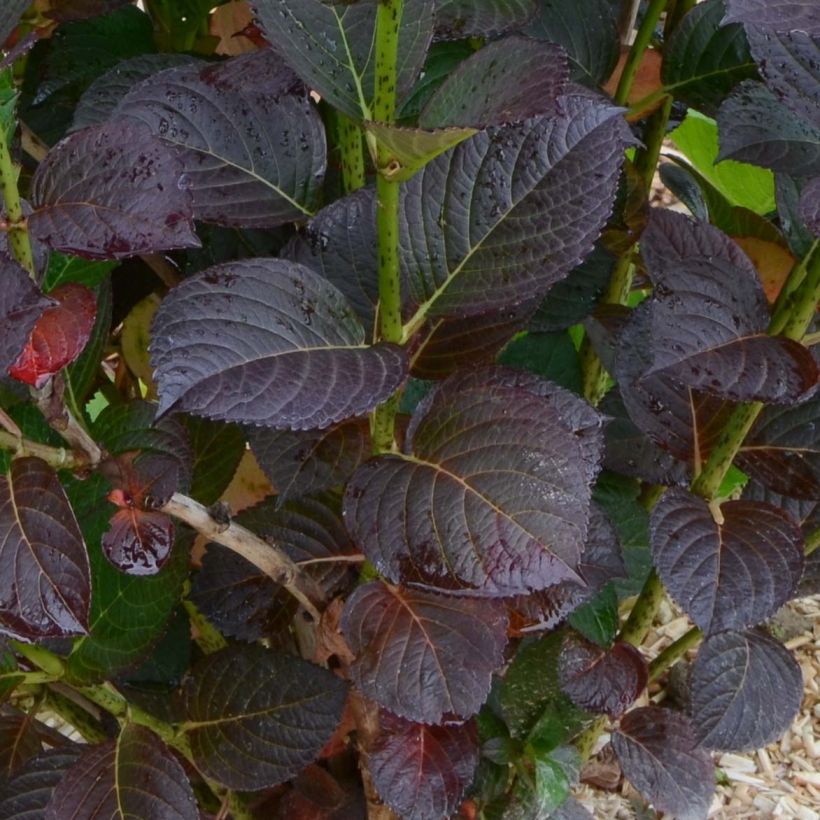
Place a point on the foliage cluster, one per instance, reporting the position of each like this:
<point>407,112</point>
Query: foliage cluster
<point>358,411</point>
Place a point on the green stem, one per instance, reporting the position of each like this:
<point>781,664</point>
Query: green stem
<point>59,457</point>
<point>18,232</point>
<point>351,148</point>
<point>388,18</point>
<point>74,715</point>
<point>812,542</point>
<point>642,40</point>
<point>208,638</point>
<point>674,652</point>
<point>643,613</point>
<point>42,658</point>
<point>585,742</point>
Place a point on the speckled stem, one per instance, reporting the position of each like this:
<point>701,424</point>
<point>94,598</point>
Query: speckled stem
<point>18,232</point>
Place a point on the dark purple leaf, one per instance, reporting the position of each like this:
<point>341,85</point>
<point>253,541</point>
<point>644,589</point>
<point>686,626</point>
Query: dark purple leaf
<point>255,717</point>
<point>727,575</point>
<point>810,205</point>
<point>135,775</point>
<point>677,418</point>
<point>779,15</point>
<point>63,10</point>
<point>631,452</point>
<point>782,450</point>
<point>756,128</point>
<point>45,589</point>
<point>10,15</point>
<point>708,317</point>
<point>59,335</point>
<point>458,19</point>
<point>109,192</point>
<point>509,80</point>
<point>423,655</point>
<point>449,344</point>
<point>340,242</point>
<point>446,512</point>
<point>301,462</point>
<point>19,741</point>
<point>659,755</point>
<point>421,771</point>
<point>271,343</point>
<point>251,142</point>
<point>790,65</point>
<point>101,98</point>
<point>529,222</point>
<point>601,680</point>
<point>139,541</point>
<point>331,46</point>
<point>238,599</point>
<point>21,305</point>
<point>25,795</point>
<point>746,689</point>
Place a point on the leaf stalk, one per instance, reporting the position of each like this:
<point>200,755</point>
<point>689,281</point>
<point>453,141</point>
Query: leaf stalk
<point>19,240</point>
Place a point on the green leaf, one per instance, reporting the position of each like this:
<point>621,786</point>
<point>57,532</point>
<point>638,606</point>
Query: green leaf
<point>129,613</point>
<point>9,674</point>
<point>551,355</point>
<point>531,699</point>
<point>554,776</point>
<point>742,184</point>
<point>597,620</point>
<point>410,149</point>
<point>218,448</point>
<point>63,269</point>
<point>704,60</point>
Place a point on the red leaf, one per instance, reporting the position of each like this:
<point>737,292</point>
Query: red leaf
<point>59,335</point>
<point>139,541</point>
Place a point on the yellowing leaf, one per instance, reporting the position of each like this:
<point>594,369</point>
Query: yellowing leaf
<point>135,337</point>
<point>773,262</point>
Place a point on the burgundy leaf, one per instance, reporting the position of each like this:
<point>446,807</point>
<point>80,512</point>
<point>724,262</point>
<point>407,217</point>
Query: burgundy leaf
<point>309,33</point>
<point>601,680</point>
<point>135,775</point>
<point>21,305</point>
<point>26,794</point>
<point>256,717</point>
<point>63,10</point>
<point>421,771</point>
<point>301,462</point>
<point>746,689</point>
<point>139,541</point>
<point>10,15</point>
<point>423,655</point>
<point>727,575</point>
<point>111,191</point>
<point>660,757</point>
<point>59,335</point>
<point>782,450</point>
<point>509,80</point>
<point>251,143</point>
<point>708,318</point>
<point>529,221</point>
<point>810,205</point>
<point>457,19</point>
<point>45,586</point>
<point>779,15</point>
<point>268,342</point>
<point>19,741</point>
<point>445,512</point>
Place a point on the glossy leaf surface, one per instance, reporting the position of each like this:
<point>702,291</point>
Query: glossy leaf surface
<point>729,575</point>
<point>659,755</point>
<point>59,335</point>
<point>139,541</point>
<point>135,775</point>
<point>518,78</point>
<point>330,46</point>
<point>251,144</point>
<point>601,680</point>
<point>421,771</point>
<point>267,342</point>
<point>423,655</point>
<point>21,305</point>
<point>46,587</point>
<point>746,689</point>
<point>463,443</point>
<point>528,218</point>
<point>109,192</point>
<point>255,717</point>
<point>780,15</point>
